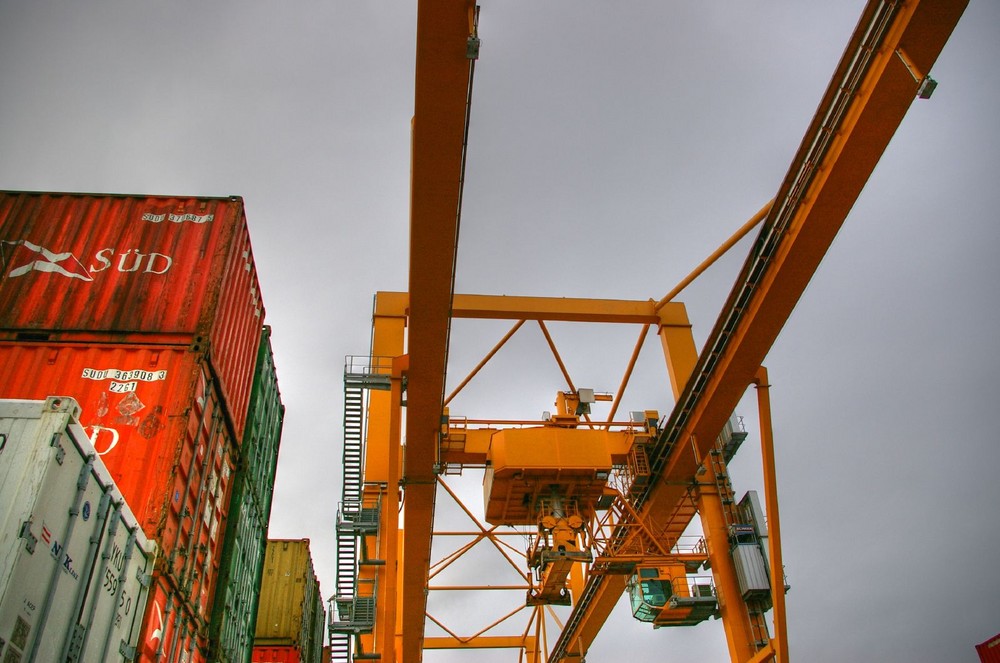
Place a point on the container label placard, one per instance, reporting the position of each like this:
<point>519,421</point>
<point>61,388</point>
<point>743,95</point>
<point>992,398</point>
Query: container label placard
<point>178,218</point>
<point>123,382</point>
<point>118,375</point>
<point>58,553</point>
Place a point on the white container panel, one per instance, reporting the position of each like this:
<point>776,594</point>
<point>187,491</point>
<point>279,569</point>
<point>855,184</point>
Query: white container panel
<point>74,564</point>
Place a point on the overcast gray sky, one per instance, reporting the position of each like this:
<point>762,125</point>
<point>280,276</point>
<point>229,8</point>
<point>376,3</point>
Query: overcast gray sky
<point>613,146</point>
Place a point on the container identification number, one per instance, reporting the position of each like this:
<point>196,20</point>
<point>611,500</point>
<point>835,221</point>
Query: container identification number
<point>177,218</point>
<point>123,376</point>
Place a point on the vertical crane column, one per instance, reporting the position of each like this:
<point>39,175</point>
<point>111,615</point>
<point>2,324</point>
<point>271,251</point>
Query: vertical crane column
<point>383,469</point>
<point>780,642</point>
<point>745,632</point>
<point>712,498</point>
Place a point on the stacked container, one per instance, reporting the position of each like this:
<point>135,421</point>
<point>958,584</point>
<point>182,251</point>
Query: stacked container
<point>231,633</point>
<point>291,618</point>
<point>74,563</point>
<point>989,651</point>
<point>147,311</point>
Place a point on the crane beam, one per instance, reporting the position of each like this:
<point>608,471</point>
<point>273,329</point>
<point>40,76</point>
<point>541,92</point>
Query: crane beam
<point>441,96</point>
<point>563,309</point>
<point>875,83</point>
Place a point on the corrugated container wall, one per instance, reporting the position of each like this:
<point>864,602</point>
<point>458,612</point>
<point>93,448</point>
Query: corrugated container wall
<point>156,419</point>
<point>161,434</point>
<point>259,452</point>
<point>989,651</point>
<point>134,269</point>
<point>74,563</point>
<point>291,609</point>
<point>285,654</point>
<point>234,615</point>
<point>231,633</point>
<point>172,631</point>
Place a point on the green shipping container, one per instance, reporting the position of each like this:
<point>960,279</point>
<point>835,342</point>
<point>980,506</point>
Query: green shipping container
<point>291,606</point>
<point>231,631</point>
<point>260,443</point>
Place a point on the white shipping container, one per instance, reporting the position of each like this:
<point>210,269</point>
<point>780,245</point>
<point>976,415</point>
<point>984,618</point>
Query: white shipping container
<point>74,564</point>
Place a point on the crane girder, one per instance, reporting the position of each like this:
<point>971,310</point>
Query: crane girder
<point>883,69</point>
<point>879,76</point>
<point>441,96</point>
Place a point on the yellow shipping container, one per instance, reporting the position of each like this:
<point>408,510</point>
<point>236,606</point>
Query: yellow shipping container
<point>291,609</point>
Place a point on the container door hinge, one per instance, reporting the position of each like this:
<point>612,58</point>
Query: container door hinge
<point>145,579</point>
<point>75,644</point>
<point>85,472</point>
<point>60,452</point>
<point>29,539</point>
<point>126,651</point>
<point>130,544</point>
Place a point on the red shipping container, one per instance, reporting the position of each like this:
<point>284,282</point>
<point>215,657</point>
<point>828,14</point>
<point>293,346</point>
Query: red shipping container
<point>157,421</point>
<point>139,269</point>
<point>269,654</point>
<point>989,651</point>
<point>171,631</point>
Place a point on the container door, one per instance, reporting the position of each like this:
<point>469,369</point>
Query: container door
<point>49,581</point>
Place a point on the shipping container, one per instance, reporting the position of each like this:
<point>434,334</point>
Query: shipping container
<point>237,596</point>
<point>262,434</point>
<point>74,564</point>
<point>134,269</point>
<point>291,611</point>
<point>989,651</point>
<point>286,654</point>
<point>156,419</point>
<point>234,616</point>
<point>172,630</point>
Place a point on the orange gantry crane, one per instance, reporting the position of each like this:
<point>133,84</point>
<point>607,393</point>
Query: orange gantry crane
<point>599,506</point>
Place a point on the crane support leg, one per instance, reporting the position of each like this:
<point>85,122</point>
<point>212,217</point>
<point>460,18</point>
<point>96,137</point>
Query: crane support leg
<point>383,471</point>
<point>780,641</point>
<point>732,608</point>
<point>386,607</point>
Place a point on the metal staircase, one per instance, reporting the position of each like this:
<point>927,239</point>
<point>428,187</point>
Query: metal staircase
<point>350,614</point>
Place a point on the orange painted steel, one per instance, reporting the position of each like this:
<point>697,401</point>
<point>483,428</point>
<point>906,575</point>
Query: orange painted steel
<point>880,74</point>
<point>390,319</point>
<point>743,231</point>
<point>780,641</point>
<point>860,112</point>
<point>485,360</point>
<point>442,87</point>
<point>628,374</point>
<point>550,309</point>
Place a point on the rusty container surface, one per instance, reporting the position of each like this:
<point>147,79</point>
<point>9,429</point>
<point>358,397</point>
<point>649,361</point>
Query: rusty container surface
<point>989,651</point>
<point>170,630</point>
<point>156,418</point>
<point>134,269</point>
<point>286,654</point>
<point>291,609</point>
